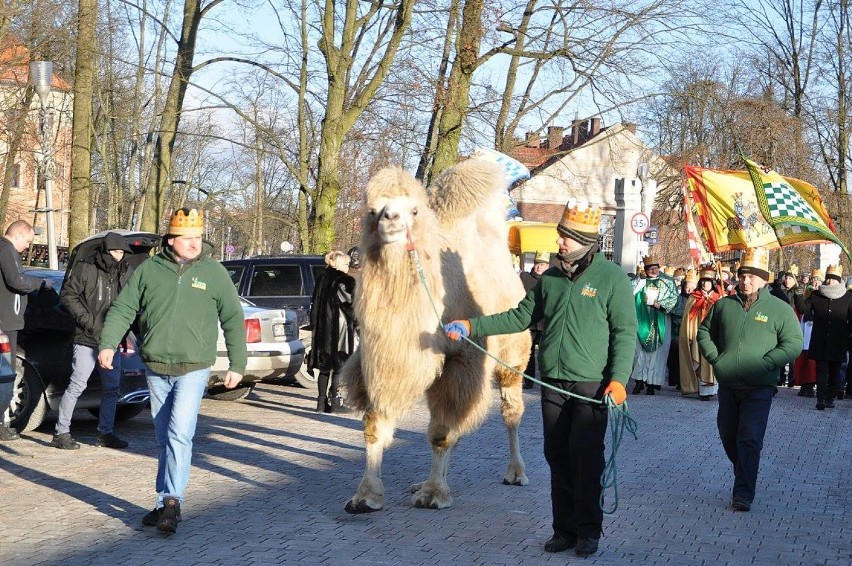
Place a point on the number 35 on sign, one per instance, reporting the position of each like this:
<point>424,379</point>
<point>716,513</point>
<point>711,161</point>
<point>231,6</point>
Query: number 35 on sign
<point>639,223</point>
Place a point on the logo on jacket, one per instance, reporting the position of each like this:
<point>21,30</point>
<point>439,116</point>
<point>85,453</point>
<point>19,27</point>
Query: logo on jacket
<point>589,291</point>
<point>196,284</point>
<point>760,317</point>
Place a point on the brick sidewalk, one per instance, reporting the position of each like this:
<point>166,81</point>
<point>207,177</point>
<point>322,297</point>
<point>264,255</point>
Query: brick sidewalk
<point>270,479</point>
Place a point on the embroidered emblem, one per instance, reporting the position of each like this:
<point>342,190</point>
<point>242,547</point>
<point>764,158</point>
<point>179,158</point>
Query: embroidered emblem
<point>196,284</point>
<point>589,291</point>
<point>760,317</point>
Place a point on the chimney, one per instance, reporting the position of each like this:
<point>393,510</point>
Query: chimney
<point>596,126</point>
<point>533,140</point>
<point>554,137</point>
<point>630,126</point>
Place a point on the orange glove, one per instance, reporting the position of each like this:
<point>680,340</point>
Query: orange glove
<point>457,329</point>
<point>617,391</point>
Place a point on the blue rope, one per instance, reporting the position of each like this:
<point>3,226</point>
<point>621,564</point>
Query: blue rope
<point>619,417</point>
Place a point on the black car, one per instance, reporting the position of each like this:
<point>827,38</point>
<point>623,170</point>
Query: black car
<point>46,348</point>
<point>281,282</point>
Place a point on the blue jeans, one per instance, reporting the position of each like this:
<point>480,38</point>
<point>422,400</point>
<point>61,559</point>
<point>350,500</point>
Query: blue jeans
<point>85,360</point>
<point>175,402</point>
<point>742,418</point>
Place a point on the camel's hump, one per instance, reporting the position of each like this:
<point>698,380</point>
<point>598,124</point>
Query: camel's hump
<point>460,190</point>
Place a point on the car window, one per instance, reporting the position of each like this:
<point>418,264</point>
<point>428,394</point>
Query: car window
<point>236,273</point>
<point>317,270</point>
<point>276,280</point>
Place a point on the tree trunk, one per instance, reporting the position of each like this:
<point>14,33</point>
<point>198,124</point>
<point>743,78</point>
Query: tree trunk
<point>13,143</point>
<point>81,136</point>
<point>160,181</point>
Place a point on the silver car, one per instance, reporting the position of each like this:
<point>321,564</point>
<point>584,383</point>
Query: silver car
<point>274,350</point>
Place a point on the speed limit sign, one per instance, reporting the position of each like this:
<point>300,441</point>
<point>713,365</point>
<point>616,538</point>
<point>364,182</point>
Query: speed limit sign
<point>639,223</point>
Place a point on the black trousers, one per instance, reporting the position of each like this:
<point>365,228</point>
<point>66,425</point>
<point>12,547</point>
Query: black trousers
<point>828,379</point>
<point>742,418</point>
<point>574,433</point>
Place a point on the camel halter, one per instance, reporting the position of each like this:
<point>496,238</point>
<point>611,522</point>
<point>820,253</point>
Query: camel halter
<point>619,414</point>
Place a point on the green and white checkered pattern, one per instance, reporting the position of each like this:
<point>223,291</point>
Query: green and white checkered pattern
<point>785,202</point>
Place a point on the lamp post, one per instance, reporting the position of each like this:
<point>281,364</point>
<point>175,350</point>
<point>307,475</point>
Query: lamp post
<point>41,73</point>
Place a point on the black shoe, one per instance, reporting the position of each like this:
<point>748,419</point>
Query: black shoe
<point>151,517</point>
<point>560,543</point>
<point>740,505</point>
<point>640,385</point>
<point>829,403</point>
<point>586,546</point>
<point>169,516</point>
<point>650,390</point>
<point>820,405</point>
<point>109,440</point>
<point>64,441</point>
<point>840,395</point>
<point>7,434</point>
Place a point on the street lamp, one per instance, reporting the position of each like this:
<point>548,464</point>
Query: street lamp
<point>41,73</point>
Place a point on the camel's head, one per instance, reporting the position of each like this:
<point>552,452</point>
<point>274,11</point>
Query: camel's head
<point>394,199</point>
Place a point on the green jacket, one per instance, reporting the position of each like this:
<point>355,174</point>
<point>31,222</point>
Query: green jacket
<point>180,307</point>
<point>748,348</point>
<point>589,323</point>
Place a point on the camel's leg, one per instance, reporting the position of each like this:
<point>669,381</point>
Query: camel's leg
<point>512,409</point>
<point>434,493</point>
<point>378,434</point>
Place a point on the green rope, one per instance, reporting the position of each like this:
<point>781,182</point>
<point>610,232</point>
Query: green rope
<point>620,419</point>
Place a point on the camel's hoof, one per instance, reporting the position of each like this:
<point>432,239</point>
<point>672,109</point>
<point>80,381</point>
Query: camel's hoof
<point>516,480</point>
<point>415,487</point>
<point>428,499</point>
<point>360,507</point>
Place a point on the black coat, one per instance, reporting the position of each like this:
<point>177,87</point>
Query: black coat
<point>13,288</point>
<point>832,324</point>
<point>331,309</point>
<point>89,291</point>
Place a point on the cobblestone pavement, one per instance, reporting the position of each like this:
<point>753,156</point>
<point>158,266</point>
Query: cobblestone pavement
<point>270,478</point>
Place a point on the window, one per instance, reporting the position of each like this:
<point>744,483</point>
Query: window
<point>276,281</point>
<point>236,273</point>
<point>16,175</point>
<point>317,270</point>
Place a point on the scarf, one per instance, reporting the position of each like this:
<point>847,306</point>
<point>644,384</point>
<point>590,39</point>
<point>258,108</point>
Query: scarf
<point>573,263</point>
<point>832,291</point>
<point>704,300</point>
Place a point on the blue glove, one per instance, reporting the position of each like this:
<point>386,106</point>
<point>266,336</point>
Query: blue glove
<point>457,329</point>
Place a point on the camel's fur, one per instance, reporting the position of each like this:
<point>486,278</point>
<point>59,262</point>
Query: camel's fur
<point>460,235</point>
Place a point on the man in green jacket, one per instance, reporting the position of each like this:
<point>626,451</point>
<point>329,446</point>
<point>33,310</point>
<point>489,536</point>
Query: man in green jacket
<point>747,338</point>
<point>587,347</point>
<point>180,296</point>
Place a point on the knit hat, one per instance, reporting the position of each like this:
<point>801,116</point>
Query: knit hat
<point>834,272</point>
<point>185,222</point>
<point>542,256</point>
<point>649,262</point>
<point>114,241</point>
<point>755,261</point>
<point>707,272</point>
<point>580,222</point>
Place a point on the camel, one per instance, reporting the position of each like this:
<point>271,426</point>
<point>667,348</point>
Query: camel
<point>459,232</point>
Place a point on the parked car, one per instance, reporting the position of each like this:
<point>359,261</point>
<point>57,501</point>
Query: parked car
<point>45,348</point>
<point>274,351</point>
<point>282,282</point>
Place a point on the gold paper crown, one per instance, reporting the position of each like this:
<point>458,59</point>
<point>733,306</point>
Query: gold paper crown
<point>794,270</point>
<point>757,258</point>
<point>582,218</point>
<point>816,273</point>
<point>836,270</point>
<point>183,224</point>
<point>542,256</point>
<point>707,272</point>
<point>648,261</point>
<point>692,276</point>
<point>668,270</point>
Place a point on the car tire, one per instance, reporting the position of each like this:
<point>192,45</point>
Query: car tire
<point>305,377</point>
<point>221,393</point>
<point>122,412</point>
<point>28,407</point>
